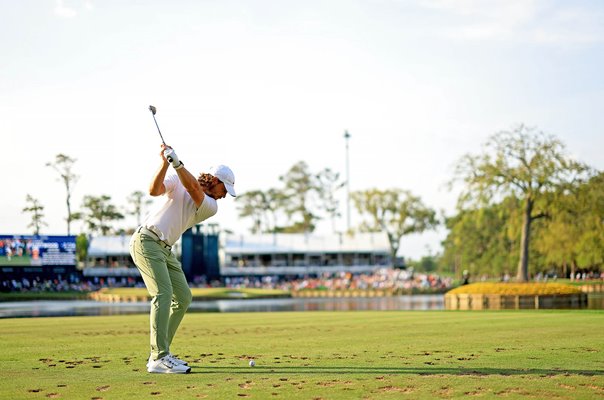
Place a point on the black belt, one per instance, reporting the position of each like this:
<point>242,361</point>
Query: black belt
<point>149,232</point>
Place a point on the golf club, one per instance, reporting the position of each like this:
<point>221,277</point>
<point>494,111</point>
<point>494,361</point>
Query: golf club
<point>153,111</point>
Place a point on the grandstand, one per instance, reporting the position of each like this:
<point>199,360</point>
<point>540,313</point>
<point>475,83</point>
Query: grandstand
<point>299,254</point>
<point>251,255</point>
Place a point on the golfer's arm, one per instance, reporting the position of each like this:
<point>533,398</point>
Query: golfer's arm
<point>157,187</point>
<point>191,185</point>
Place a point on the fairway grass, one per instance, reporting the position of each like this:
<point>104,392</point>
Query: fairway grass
<point>312,355</point>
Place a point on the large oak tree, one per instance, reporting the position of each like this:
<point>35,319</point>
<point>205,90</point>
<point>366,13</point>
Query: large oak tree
<point>525,163</point>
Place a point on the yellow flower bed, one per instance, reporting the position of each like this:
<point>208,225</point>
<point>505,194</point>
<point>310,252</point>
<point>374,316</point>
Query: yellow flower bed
<point>515,289</point>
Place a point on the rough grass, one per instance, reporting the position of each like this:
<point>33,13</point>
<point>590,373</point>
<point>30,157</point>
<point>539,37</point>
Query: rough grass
<point>312,355</point>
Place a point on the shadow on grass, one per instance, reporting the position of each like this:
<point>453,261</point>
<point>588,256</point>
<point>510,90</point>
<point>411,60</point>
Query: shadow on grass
<point>392,371</point>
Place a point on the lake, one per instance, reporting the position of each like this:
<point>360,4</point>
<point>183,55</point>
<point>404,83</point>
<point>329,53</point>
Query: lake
<point>57,308</point>
<point>21,309</point>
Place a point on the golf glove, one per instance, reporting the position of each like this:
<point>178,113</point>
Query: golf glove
<point>172,158</point>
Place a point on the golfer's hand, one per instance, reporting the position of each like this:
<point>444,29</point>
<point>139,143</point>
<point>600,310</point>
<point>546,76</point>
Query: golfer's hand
<point>164,147</point>
<point>172,158</point>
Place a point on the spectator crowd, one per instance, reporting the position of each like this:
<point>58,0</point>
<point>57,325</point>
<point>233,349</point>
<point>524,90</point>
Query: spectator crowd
<point>383,278</point>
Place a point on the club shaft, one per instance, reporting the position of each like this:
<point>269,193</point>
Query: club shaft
<point>158,130</point>
<point>153,110</point>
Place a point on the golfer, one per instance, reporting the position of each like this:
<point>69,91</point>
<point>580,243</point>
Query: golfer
<point>188,201</point>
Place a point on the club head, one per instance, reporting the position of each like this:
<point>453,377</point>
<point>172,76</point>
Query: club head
<point>152,109</point>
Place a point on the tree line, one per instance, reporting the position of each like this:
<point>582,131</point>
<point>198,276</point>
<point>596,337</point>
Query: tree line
<point>525,206</point>
<point>98,213</point>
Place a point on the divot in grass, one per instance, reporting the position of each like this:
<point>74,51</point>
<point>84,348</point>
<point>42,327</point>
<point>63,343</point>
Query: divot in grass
<point>445,391</point>
<point>391,388</point>
<point>596,388</point>
<point>477,392</point>
<point>562,385</point>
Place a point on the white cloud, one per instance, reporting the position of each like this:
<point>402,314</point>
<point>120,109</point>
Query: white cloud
<point>571,25</point>
<point>530,21</point>
<point>63,11</point>
<point>508,10</point>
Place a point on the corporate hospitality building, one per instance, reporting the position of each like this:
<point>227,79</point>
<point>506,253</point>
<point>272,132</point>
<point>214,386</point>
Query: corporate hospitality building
<point>206,253</point>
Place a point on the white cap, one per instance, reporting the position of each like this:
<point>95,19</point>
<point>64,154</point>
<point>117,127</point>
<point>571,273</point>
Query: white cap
<point>226,176</point>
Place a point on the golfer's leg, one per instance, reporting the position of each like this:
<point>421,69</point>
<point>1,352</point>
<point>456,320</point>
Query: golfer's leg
<point>181,296</point>
<point>149,257</point>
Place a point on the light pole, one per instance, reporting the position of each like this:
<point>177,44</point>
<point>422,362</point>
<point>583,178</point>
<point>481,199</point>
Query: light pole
<point>346,138</point>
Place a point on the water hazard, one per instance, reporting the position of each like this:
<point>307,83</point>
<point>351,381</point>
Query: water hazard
<point>91,308</point>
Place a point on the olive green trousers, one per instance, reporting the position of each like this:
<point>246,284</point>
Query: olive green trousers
<point>168,287</point>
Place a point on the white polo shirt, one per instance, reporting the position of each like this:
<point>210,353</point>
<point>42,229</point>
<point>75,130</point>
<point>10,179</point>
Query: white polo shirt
<point>179,212</point>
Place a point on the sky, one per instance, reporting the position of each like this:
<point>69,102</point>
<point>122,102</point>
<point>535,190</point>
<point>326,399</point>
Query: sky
<point>262,85</point>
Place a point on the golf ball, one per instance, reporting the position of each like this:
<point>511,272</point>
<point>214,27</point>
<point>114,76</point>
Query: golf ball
<point>252,363</point>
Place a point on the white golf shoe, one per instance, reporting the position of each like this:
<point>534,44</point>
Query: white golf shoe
<point>175,360</point>
<point>166,365</point>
